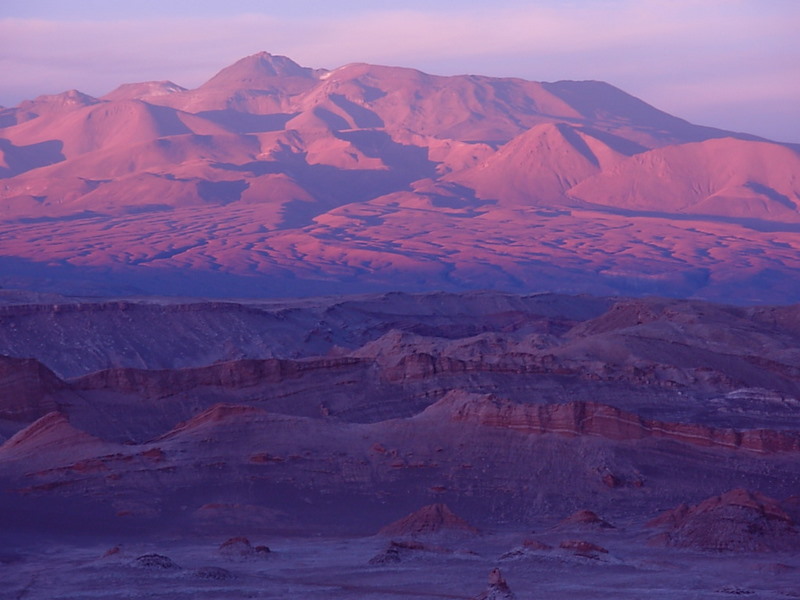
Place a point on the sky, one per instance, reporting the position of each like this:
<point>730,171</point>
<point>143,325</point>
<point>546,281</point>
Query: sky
<point>733,64</point>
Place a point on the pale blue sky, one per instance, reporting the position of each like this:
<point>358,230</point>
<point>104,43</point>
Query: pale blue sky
<point>729,63</point>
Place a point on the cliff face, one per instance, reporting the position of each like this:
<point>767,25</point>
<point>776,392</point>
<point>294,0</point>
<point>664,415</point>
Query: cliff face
<point>28,389</point>
<point>76,338</point>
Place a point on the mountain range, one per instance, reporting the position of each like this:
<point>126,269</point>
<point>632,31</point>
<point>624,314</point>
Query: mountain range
<point>273,179</point>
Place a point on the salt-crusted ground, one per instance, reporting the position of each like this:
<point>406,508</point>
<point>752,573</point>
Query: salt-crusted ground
<point>312,567</point>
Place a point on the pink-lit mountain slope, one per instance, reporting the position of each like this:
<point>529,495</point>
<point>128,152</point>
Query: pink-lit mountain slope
<point>276,179</point>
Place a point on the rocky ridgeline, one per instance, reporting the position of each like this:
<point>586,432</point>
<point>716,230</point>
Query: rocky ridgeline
<point>172,334</point>
<point>216,414</point>
<point>345,421</point>
<point>52,433</point>
<point>231,374</point>
<point>590,418</point>
<point>736,521</point>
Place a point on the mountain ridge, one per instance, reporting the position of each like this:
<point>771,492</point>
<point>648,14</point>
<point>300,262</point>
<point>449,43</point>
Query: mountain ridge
<point>385,177</point>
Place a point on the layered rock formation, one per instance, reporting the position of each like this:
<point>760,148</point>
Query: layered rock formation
<point>428,520</point>
<point>736,521</point>
<point>27,389</point>
<point>585,519</point>
<point>588,418</point>
<point>525,410</point>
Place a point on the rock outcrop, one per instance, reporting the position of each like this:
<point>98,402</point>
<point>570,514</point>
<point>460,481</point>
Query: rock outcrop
<point>400,550</point>
<point>156,562</point>
<point>51,436</point>
<point>27,389</point>
<point>592,418</point>
<point>213,573</point>
<point>584,519</point>
<point>240,548</point>
<point>212,416</point>
<point>583,548</point>
<point>430,519</point>
<point>230,374</point>
<point>497,589</point>
<point>736,521</point>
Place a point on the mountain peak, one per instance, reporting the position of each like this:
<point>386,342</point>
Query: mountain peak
<point>69,100</point>
<point>258,71</point>
<point>145,89</point>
